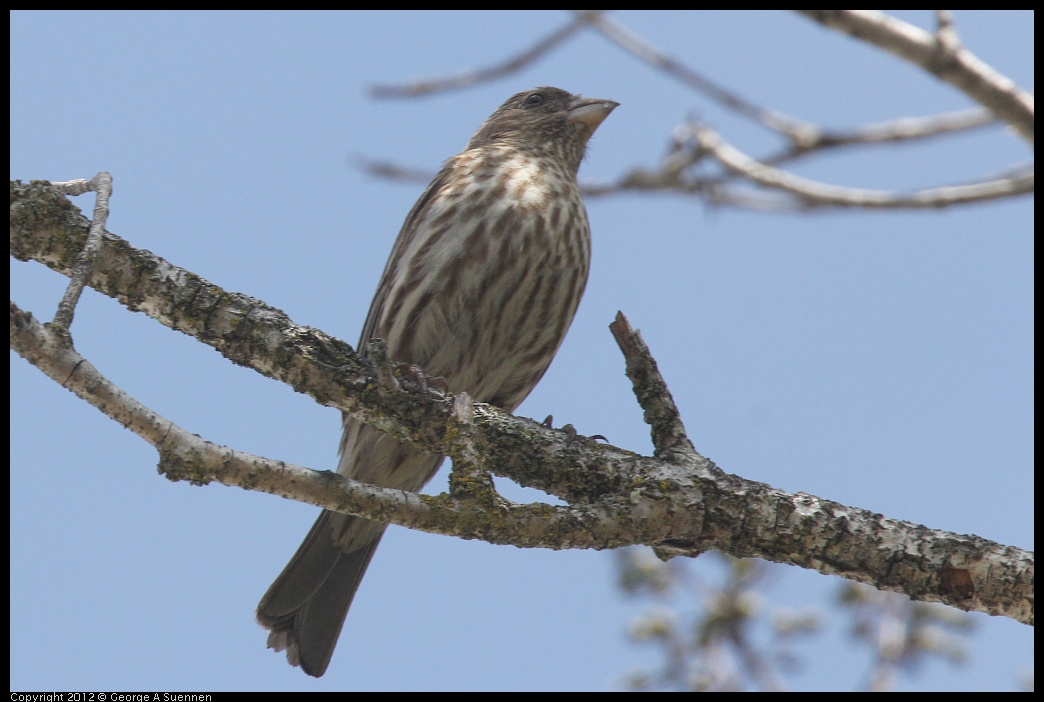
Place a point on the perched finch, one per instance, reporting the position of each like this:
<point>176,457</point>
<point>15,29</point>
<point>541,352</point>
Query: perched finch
<point>479,289</point>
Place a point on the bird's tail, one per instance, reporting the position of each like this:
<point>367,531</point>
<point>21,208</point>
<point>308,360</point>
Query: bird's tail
<point>305,607</point>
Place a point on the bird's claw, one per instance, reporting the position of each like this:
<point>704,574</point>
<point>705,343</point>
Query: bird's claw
<point>570,431</point>
<point>424,381</point>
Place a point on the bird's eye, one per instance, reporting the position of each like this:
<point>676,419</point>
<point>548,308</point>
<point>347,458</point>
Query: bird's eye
<point>533,100</point>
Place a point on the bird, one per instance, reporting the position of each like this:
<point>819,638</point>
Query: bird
<point>480,288</point>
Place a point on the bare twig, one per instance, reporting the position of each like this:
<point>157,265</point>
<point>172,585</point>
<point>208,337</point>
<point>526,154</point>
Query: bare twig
<point>815,194</point>
<point>677,171</point>
<point>469,78</point>
<point>942,56</point>
<point>102,185</point>
<point>797,131</point>
<point>672,175</point>
<point>661,414</point>
<point>392,171</point>
<point>891,131</point>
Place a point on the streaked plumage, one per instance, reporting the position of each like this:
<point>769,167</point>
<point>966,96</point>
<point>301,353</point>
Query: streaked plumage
<point>480,288</point>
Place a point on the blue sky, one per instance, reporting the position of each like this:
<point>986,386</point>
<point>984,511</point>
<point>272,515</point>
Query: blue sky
<point>879,359</point>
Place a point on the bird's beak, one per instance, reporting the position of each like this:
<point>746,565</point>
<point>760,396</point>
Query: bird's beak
<point>590,112</point>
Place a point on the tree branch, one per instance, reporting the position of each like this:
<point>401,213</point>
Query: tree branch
<point>468,78</point>
<point>814,194</point>
<point>942,56</point>
<point>794,129</point>
<point>184,456</point>
<point>101,184</point>
<point>680,503</point>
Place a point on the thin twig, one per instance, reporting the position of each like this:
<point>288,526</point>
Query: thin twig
<point>81,273</point>
<point>815,194</point>
<point>468,78</point>
<point>677,171</point>
<point>941,55</point>
<point>891,131</point>
<point>796,130</point>
<point>661,413</point>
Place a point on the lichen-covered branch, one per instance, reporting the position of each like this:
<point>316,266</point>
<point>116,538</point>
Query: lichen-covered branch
<point>678,502</point>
